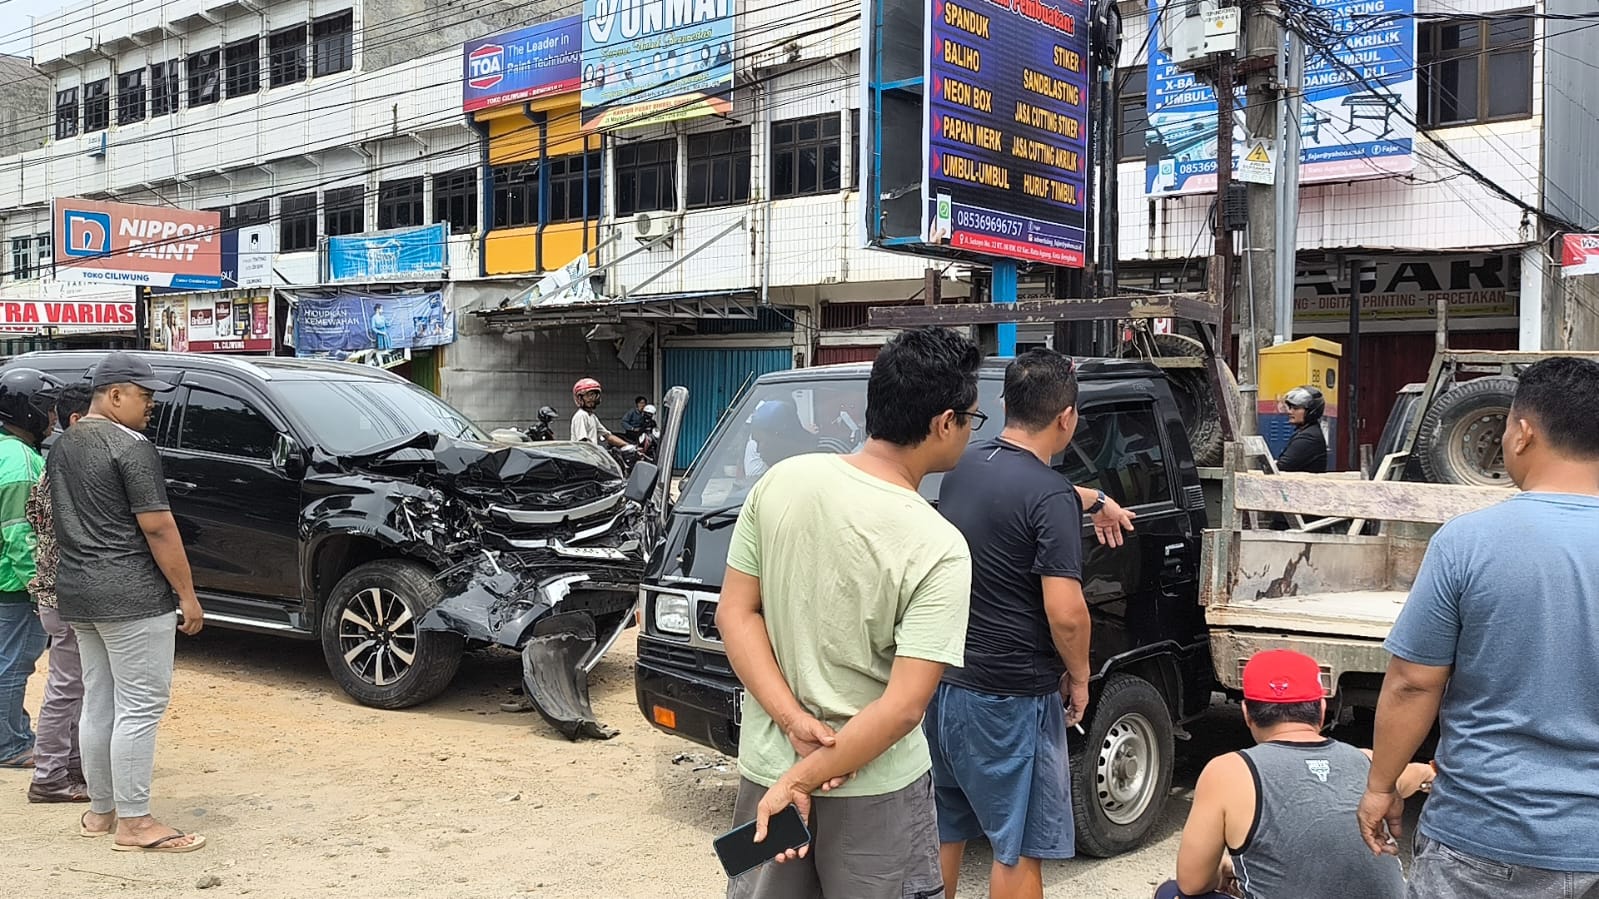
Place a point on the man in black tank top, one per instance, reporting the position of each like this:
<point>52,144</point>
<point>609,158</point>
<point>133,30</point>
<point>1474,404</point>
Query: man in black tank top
<point>1272,821</point>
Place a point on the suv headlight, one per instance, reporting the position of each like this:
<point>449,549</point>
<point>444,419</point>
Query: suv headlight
<point>672,614</point>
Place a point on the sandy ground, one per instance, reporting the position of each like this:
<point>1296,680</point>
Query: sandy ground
<point>303,793</point>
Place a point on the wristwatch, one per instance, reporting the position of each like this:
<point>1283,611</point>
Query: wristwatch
<point>1099,503</point>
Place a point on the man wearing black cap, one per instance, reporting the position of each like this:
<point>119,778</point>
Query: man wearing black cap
<point>122,572</point>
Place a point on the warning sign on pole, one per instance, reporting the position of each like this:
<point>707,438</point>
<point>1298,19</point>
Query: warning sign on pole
<point>1258,164</point>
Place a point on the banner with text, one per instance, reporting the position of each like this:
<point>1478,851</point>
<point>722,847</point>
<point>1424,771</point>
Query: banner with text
<point>384,255</point>
<point>522,65</point>
<point>652,61</point>
<point>136,246</point>
<point>1409,288</point>
<point>1357,119</point>
<point>1579,255</point>
<point>338,326</point>
<point>1005,147</point>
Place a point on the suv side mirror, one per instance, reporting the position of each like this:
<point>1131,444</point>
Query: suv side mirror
<point>287,457</point>
<point>641,483</point>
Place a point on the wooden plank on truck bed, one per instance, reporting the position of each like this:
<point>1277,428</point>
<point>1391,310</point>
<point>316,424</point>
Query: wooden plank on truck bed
<point>1373,500</point>
<point>1355,613</point>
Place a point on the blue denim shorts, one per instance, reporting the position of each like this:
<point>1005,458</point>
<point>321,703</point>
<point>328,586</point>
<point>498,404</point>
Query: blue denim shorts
<point>999,770</point>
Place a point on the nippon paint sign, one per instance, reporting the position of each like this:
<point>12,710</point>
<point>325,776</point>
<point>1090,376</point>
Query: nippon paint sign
<point>121,244</point>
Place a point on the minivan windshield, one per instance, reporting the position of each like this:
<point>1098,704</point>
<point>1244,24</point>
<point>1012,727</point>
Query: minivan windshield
<point>349,416</point>
<point>777,420</point>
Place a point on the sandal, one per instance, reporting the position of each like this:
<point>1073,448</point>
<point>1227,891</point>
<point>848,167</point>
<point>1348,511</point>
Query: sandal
<point>84,831</point>
<point>161,844</point>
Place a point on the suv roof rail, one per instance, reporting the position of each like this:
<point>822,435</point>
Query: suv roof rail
<point>235,362</point>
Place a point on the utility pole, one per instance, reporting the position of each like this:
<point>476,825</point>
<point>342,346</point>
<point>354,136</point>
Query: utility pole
<point>1221,263</point>
<point>1263,43</point>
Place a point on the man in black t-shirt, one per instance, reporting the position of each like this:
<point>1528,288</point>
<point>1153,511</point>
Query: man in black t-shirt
<point>123,583</point>
<point>997,727</point>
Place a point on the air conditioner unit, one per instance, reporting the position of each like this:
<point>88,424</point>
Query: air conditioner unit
<point>1193,31</point>
<point>655,228</point>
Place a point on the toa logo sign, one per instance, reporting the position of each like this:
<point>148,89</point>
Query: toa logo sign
<point>486,66</point>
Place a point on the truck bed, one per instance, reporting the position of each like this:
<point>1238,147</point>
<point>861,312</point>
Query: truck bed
<point>1354,613</point>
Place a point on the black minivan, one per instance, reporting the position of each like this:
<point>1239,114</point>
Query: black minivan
<point>1150,650</point>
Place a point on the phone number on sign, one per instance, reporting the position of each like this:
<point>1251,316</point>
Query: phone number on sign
<point>988,224</point>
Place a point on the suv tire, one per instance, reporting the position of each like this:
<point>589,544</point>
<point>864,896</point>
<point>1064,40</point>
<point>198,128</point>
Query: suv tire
<point>369,630</point>
<point>1121,772</point>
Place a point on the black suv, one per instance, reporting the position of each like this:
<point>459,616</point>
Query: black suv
<point>341,503</point>
<point>1151,656</point>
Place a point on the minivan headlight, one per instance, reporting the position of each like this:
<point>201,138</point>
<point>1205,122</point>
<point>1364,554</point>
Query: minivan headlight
<point>671,614</point>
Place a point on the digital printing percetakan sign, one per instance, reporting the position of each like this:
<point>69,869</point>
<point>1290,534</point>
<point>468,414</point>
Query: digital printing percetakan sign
<point>652,61</point>
<point>522,65</point>
<point>1006,139</point>
<point>137,246</point>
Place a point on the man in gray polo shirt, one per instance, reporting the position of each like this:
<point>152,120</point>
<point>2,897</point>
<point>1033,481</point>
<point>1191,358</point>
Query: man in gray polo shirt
<point>121,574</point>
<point>1497,643</point>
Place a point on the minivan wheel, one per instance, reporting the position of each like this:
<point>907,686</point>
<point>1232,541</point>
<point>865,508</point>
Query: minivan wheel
<point>1121,771</point>
<point>372,641</point>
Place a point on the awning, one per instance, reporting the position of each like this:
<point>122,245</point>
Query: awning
<point>733,304</point>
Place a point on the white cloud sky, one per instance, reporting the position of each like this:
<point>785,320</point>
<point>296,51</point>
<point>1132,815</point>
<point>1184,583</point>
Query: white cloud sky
<point>15,35</point>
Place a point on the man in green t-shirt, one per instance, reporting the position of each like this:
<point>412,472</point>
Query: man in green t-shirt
<point>846,596</point>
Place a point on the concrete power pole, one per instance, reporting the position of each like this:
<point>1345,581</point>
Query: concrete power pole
<point>1263,42</point>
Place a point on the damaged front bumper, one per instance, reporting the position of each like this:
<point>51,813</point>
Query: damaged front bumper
<point>562,624</point>
<point>538,549</point>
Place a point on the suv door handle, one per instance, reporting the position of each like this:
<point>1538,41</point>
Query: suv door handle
<point>181,487</point>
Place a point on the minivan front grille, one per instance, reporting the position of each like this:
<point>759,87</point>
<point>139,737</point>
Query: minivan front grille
<point>705,620</point>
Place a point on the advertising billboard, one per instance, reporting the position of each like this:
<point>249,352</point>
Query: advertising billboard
<point>522,65</point>
<point>136,246</point>
<point>191,324</point>
<point>1005,147</point>
<point>652,61</point>
<point>1579,255</point>
<point>1357,119</point>
<point>397,253</point>
<point>351,322</point>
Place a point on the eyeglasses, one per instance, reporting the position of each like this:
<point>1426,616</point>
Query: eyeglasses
<point>975,417</point>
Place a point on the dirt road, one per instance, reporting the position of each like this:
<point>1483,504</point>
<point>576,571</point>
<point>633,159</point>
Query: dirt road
<point>303,793</point>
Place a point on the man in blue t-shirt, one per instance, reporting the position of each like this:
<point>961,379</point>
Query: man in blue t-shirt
<point>997,726</point>
<point>1499,632</point>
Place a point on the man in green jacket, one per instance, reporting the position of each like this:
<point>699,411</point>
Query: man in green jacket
<point>26,396</point>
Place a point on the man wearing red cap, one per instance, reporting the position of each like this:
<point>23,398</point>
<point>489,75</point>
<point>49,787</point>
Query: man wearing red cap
<point>1273,820</point>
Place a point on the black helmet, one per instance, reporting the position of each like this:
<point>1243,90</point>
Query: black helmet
<point>1309,399</point>
<point>26,398</point>
<point>547,414</point>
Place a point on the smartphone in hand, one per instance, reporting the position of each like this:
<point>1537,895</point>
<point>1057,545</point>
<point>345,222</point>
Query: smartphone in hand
<point>739,852</point>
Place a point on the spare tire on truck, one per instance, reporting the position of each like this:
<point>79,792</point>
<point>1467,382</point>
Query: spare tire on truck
<point>1196,401</point>
<point>1459,441</point>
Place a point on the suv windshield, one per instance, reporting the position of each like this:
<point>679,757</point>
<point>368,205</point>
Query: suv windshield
<point>778,420</point>
<point>349,416</point>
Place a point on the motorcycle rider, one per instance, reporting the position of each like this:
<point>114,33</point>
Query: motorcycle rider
<point>635,422</point>
<point>542,430</point>
<point>1307,448</point>
<point>586,424</point>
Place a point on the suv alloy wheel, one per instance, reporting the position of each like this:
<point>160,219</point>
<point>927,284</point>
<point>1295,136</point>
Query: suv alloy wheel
<point>371,638</point>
